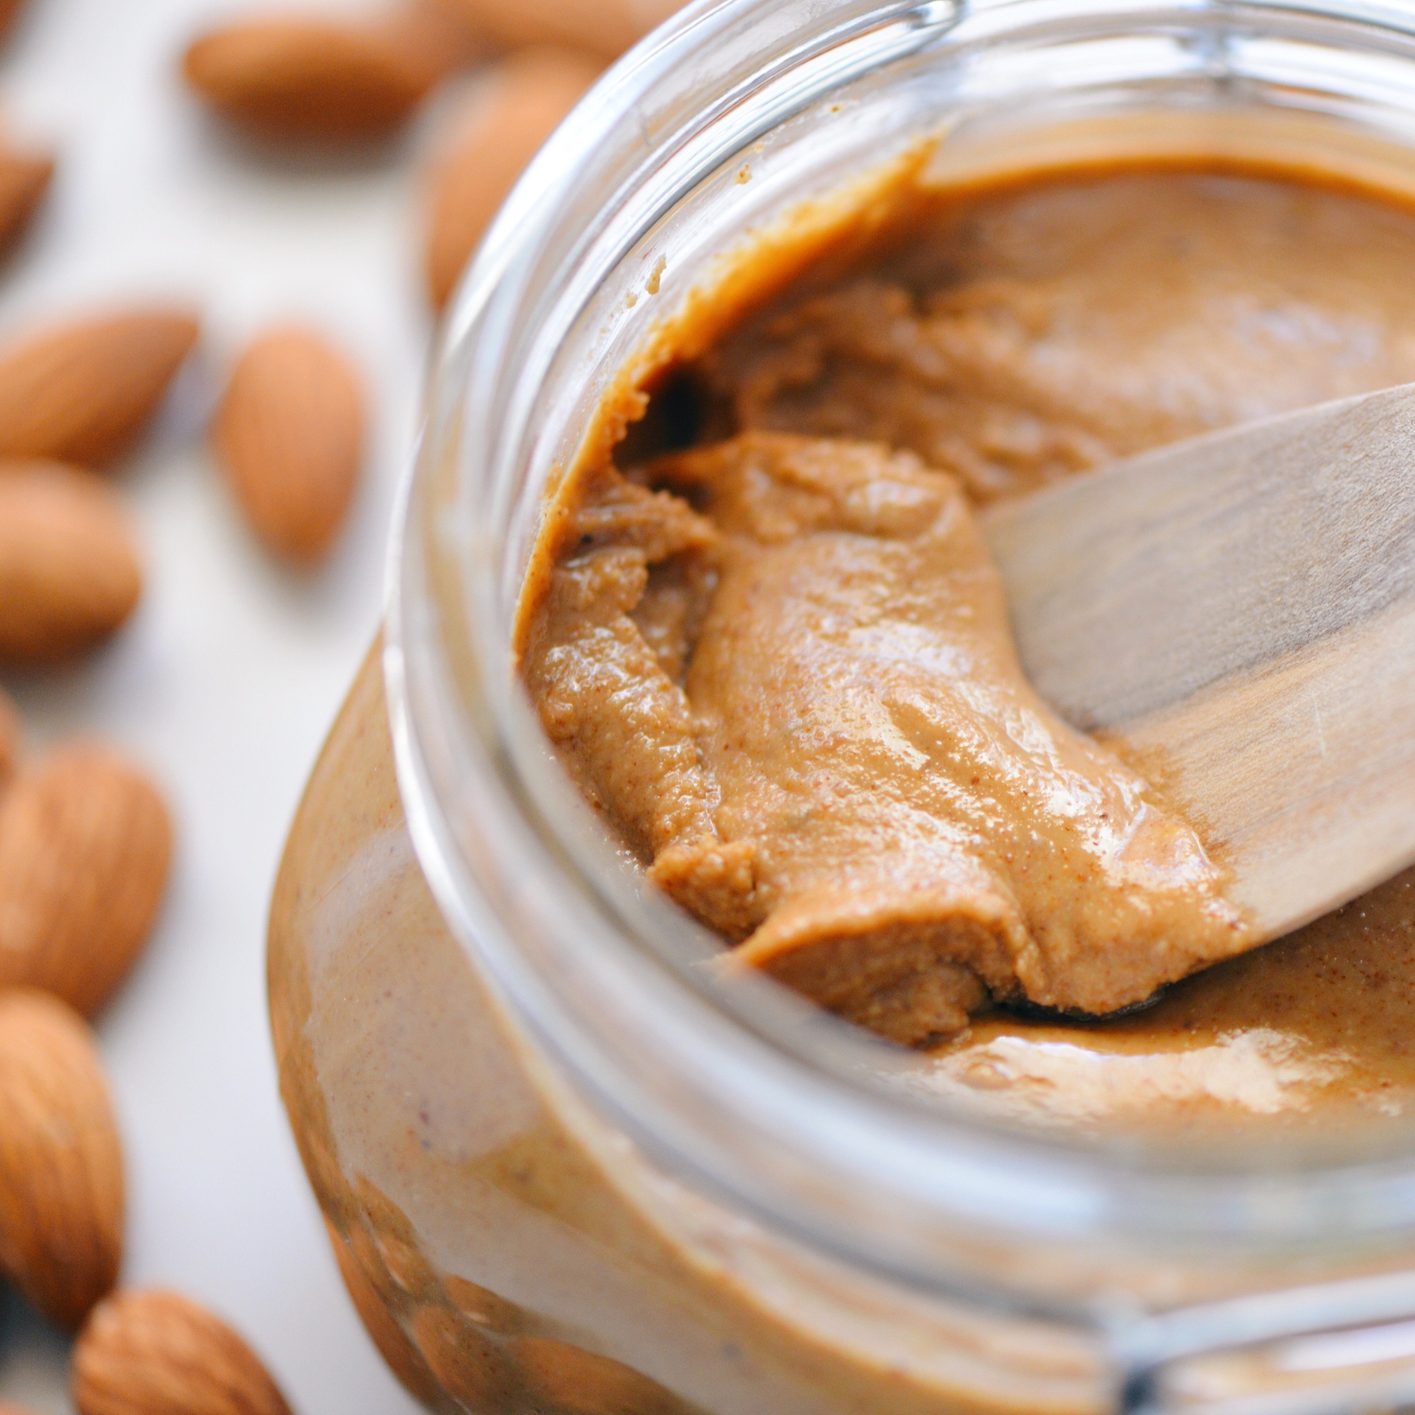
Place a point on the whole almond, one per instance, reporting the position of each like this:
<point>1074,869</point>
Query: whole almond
<point>157,1353</point>
<point>85,849</point>
<point>289,434</point>
<point>513,110</point>
<point>438,30</point>
<point>608,27</point>
<point>316,76</point>
<point>9,742</point>
<point>9,9</point>
<point>24,179</point>
<point>69,571</point>
<point>61,1163</point>
<point>81,391</point>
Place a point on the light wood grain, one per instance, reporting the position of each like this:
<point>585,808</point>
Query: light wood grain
<point>1242,608</point>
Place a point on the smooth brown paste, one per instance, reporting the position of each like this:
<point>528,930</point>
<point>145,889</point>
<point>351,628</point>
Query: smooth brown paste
<point>767,641</point>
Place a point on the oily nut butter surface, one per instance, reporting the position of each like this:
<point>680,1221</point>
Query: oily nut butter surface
<point>771,648</point>
<point>506,1250</point>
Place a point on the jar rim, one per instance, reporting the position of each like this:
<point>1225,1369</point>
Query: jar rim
<point>757,1103</point>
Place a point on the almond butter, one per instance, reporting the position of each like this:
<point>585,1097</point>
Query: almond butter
<point>568,1378</point>
<point>158,1353</point>
<point>24,179</point>
<point>85,849</point>
<point>319,77</point>
<point>608,27</point>
<point>61,1163</point>
<point>9,740</point>
<point>467,1363</point>
<point>382,1326</point>
<point>81,391</point>
<point>440,30</point>
<point>69,571</point>
<point>513,110</point>
<point>289,434</point>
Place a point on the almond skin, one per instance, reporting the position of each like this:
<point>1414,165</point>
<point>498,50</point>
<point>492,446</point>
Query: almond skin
<point>83,390</point>
<point>316,77</point>
<point>437,33</point>
<point>514,109</point>
<point>24,179</point>
<point>157,1353</point>
<point>9,747</point>
<point>289,434</point>
<point>608,27</point>
<point>69,570</point>
<point>9,11</point>
<point>85,850</point>
<point>61,1163</point>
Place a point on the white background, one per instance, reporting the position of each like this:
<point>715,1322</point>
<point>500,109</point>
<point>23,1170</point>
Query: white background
<point>228,678</point>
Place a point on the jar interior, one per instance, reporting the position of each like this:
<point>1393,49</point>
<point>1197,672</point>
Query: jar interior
<point>1012,86</point>
<point>807,138</point>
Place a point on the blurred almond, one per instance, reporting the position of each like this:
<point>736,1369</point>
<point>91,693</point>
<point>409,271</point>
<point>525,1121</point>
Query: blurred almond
<point>290,434</point>
<point>440,29</point>
<point>511,113</point>
<point>157,1353</point>
<point>24,179</point>
<point>9,748</point>
<point>81,391</point>
<point>69,571</point>
<point>608,27</point>
<point>85,851</point>
<point>61,1163</point>
<point>9,10</point>
<point>323,77</point>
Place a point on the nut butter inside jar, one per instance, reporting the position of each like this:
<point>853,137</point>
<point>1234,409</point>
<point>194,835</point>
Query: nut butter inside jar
<point>568,1164</point>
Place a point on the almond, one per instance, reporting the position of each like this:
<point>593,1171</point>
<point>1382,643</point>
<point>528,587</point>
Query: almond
<point>69,572</point>
<point>509,116</point>
<point>85,848</point>
<point>24,179</point>
<point>317,76</point>
<point>157,1353</point>
<point>82,391</point>
<point>9,9</point>
<point>61,1164</point>
<point>9,736</point>
<point>608,27</point>
<point>289,433</point>
<point>438,29</point>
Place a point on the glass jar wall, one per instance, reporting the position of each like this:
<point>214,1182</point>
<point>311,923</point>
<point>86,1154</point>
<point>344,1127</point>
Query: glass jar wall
<point>562,1169</point>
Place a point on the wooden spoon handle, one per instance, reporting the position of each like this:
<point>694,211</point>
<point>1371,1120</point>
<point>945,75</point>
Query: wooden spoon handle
<point>1243,607</point>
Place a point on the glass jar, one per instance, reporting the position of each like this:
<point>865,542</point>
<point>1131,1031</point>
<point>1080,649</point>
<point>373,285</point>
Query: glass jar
<point>565,1168</point>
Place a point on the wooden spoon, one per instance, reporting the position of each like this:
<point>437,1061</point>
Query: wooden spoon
<point>1240,608</point>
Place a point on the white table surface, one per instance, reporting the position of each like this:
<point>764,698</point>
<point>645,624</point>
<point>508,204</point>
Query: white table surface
<point>228,678</point>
